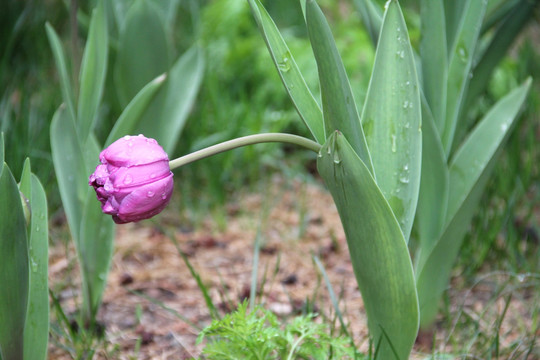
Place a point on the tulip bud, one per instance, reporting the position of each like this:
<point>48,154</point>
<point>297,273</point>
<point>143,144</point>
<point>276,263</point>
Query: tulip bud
<point>133,181</point>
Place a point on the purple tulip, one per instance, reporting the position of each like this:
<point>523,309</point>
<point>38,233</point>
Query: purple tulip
<point>134,181</point>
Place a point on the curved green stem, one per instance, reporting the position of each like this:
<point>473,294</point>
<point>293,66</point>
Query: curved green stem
<point>243,141</point>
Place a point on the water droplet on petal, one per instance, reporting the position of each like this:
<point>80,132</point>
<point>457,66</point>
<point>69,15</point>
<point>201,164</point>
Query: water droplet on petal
<point>152,176</point>
<point>150,194</point>
<point>128,179</point>
<point>127,137</point>
<point>163,196</point>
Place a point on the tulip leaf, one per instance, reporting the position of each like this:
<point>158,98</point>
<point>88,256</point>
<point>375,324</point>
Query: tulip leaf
<point>469,172</point>
<point>433,196</point>
<point>338,105</point>
<point>13,268</point>
<point>1,151</point>
<point>164,119</point>
<point>36,331</point>
<point>461,58</point>
<point>131,116</point>
<point>501,41</point>
<point>392,118</point>
<point>372,18</point>
<point>61,66</point>
<point>70,168</point>
<point>25,183</point>
<point>93,71</point>
<point>467,165</point>
<point>292,78</point>
<point>378,250</point>
<point>434,57</point>
<point>143,49</point>
<point>95,252</point>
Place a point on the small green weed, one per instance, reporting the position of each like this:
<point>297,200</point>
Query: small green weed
<point>258,334</point>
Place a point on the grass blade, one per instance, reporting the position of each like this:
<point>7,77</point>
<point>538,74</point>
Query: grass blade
<point>434,57</point>
<point>294,82</point>
<point>392,119</point>
<point>461,57</point>
<point>339,108</point>
<point>13,268</point>
<point>36,331</point>
<point>93,71</point>
<point>378,250</point>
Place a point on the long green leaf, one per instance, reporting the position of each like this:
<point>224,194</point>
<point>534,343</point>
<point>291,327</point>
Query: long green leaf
<point>503,38</point>
<point>468,163</point>
<point>36,330</point>
<point>377,247</point>
<point>433,196</point>
<point>130,117</point>
<point>25,186</point>
<point>469,172</point>
<point>294,82</point>
<point>434,57</point>
<point>372,17</point>
<point>95,251</point>
<point>461,57</point>
<point>13,268</point>
<point>392,119</point>
<point>143,49</point>
<point>61,66</point>
<point>453,11</point>
<point>1,152</point>
<point>93,71</point>
<point>70,168</point>
<point>339,108</point>
<point>166,116</point>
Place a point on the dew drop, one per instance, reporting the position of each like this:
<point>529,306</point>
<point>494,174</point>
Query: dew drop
<point>152,176</point>
<point>285,64</point>
<point>128,179</point>
<point>394,145</point>
<point>150,194</point>
<point>33,265</point>
<point>127,137</point>
<point>163,196</point>
<point>405,104</point>
<point>102,276</point>
<point>406,167</point>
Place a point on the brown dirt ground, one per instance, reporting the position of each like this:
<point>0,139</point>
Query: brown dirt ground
<point>296,221</point>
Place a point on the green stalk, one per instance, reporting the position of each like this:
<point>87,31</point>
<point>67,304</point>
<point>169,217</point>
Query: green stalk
<point>243,141</point>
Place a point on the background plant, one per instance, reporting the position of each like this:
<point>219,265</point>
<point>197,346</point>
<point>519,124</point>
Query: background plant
<point>75,146</point>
